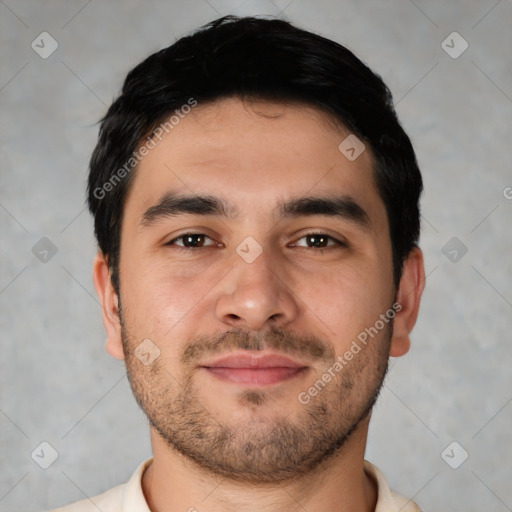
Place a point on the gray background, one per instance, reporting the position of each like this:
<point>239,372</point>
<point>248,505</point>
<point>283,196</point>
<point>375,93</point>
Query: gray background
<point>57,383</point>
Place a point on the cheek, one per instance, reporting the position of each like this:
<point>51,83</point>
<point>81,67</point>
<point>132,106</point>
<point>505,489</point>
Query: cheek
<point>158,299</point>
<point>348,300</point>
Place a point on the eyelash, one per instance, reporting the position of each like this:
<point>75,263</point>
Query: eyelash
<point>336,243</point>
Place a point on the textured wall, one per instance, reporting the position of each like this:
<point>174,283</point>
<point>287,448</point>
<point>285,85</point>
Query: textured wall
<point>57,384</point>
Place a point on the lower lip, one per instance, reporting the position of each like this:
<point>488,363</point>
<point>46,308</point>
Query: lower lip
<point>255,375</point>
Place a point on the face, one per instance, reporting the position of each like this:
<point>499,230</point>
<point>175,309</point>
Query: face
<point>247,233</point>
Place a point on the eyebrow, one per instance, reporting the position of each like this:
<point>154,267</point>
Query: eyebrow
<point>172,205</point>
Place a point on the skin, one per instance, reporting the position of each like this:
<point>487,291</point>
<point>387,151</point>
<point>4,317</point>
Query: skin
<point>223,446</point>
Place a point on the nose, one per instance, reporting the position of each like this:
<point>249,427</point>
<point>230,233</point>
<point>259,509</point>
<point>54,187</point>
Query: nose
<point>255,295</point>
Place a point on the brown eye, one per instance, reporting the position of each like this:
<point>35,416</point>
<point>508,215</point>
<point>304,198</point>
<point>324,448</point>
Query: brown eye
<point>317,241</point>
<point>192,240</point>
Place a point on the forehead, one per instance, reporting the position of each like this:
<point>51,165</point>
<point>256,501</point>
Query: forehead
<point>253,154</point>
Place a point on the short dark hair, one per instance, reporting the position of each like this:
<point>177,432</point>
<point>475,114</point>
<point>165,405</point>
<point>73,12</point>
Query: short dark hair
<point>263,59</point>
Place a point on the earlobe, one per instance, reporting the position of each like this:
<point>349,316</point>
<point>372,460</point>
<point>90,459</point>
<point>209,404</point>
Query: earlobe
<point>408,297</point>
<point>109,302</point>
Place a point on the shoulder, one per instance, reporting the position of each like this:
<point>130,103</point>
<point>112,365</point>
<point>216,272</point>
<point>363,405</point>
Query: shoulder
<point>404,504</point>
<point>388,501</point>
<point>118,499</point>
<point>109,501</point>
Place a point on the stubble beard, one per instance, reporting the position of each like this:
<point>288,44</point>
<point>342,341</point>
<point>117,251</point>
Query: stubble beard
<point>263,448</point>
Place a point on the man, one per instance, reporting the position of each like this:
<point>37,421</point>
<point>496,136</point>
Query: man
<point>256,207</point>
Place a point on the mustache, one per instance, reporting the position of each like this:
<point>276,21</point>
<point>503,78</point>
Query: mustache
<point>287,342</point>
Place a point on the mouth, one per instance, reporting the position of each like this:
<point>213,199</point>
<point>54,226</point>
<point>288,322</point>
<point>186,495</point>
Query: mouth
<point>255,369</point>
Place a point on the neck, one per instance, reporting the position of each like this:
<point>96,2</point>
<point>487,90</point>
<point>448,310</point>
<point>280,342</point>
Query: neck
<point>174,483</point>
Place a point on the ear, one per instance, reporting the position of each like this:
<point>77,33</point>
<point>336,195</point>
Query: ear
<point>109,305</point>
<point>408,298</point>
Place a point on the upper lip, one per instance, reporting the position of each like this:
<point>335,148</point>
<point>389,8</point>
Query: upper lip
<point>245,360</point>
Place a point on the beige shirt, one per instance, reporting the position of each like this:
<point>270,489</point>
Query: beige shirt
<point>129,497</point>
